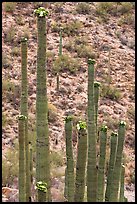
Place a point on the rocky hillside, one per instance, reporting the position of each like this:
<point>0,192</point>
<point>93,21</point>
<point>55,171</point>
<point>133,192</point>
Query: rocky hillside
<point>104,31</point>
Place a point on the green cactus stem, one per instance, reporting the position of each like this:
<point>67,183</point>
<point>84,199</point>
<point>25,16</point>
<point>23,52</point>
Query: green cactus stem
<point>22,175</point>
<point>121,198</point>
<point>117,168</point>
<point>70,161</point>
<point>57,81</point>
<point>31,167</point>
<point>113,150</point>
<point>102,163</point>
<point>42,137</point>
<point>91,165</point>
<point>24,107</point>
<point>66,185</point>
<point>81,162</point>
<point>96,98</point>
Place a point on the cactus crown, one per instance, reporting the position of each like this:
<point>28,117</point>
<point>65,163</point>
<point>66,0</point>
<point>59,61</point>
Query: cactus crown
<point>42,186</point>
<point>41,12</point>
<point>114,134</point>
<point>81,125</point>
<point>21,117</point>
<point>24,39</point>
<point>122,123</point>
<point>96,84</point>
<point>91,61</point>
<point>68,118</point>
<point>104,128</point>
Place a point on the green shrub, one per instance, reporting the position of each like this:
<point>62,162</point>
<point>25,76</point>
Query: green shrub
<point>7,86</point>
<point>110,92</point>
<point>10,34</point>
<point>72,28</point>
<point>4,120</point>
<point>15,51</point>
<point>6,61</point>
<point>20,20</point>
<point>65,63</point>
<point>85,51</point>
<point>57,158</point>
<point>83,8</point>
<point>52,113</point>
<point>9,6</point>
<point>10,167</point>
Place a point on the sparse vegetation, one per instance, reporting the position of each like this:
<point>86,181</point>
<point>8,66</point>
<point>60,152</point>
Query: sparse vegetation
<point>110,92</point>
<point>6,60</point>
<point>83,8</point>
<point>9,6</point>
<point>65,63</point>
<point>10,167</point>
<point>72,28</point>
<point>52,113</point>
<point>15,51</point>
<point>10,34</point>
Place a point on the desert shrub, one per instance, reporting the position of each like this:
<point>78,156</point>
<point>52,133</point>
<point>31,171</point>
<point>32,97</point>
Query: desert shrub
<point>6,60</point>
<point>10,167</point>
<point>65,63</point>
<point>4,119</point>
<point>83,8</point>
<point>85,51</point>
<point>52,113</point>
<point>20,20</point>
<point>10,34</point>
<point>57,158</point>
<point>15,51</point>
<point>9,6</point>
<point>110,92</point>
<point>72,28</point>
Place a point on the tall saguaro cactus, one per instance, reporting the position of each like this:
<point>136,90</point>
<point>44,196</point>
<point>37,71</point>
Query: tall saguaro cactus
<point>101,167</point>
<point>91,165</point>
<point>24,108</point>
<point>113,150</point>
<point>42,138</point>
<point>22,175</point>
<point>70,161</point>
<point>117,168</point>
<point>81,162</point>
<point>96,98</point>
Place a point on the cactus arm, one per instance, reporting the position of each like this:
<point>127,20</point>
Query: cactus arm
<point>81,162</point>
<point>121,198</point>
<point>42,138</point>
<point>117,168</point>
<point>22,175</point>
<point>70,161</point>
<point>113,149</point>
<point>91,165</point>
<point>101,168</point>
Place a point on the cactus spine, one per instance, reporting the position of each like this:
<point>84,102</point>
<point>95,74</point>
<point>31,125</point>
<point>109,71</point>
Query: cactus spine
<point>24,108</point>
<point>42,138</point>
<point>113,149</point>
<point>114,195</point>
<point>101,168</point>
<point>70,161</point>
<point>22,175</point>
<point>121,198</point>
<point>81,162</point>
<point>91,166</point>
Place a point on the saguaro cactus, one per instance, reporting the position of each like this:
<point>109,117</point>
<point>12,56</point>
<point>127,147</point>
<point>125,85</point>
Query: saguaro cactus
<point>101,167</point>
<point>22,175</point>
<point>24,108</point>
<point>96,98</point>
<point>121,198</point>
<point>81,162</point>
<point>91,166</point>
<point>70,161</point>
<point>42,138</point>
<point>113,150</point>
<point>114,195</point>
